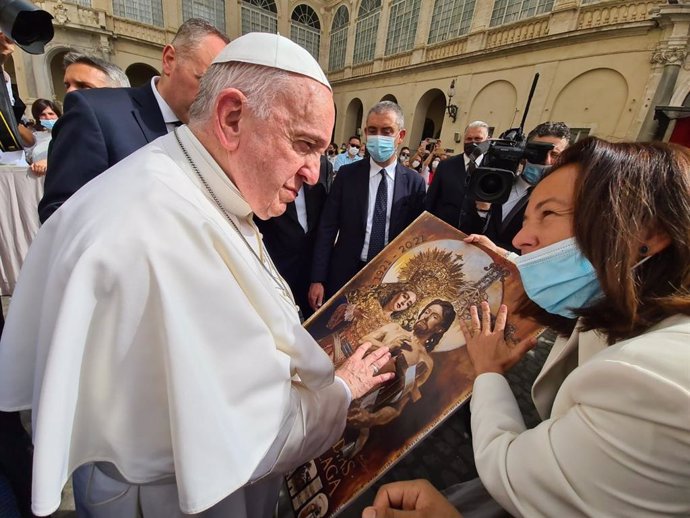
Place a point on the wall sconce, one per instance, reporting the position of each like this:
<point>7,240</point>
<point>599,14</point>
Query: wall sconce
<point>451,108</point>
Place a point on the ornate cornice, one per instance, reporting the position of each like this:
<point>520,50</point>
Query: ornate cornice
<point>669,56</point>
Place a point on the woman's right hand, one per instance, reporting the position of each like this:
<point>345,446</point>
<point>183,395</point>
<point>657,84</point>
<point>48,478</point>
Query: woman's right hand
<point>479,239</point>
<point>361,373</point>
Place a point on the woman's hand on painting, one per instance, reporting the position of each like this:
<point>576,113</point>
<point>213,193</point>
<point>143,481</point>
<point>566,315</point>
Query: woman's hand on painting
<point>361,373</point>
<point>479,239</point>
<point>410,499</point>
<point>487,348</point>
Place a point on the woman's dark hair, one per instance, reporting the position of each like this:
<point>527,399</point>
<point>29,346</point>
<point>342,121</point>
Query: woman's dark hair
<point>621,191</point>
<point>41,104</point>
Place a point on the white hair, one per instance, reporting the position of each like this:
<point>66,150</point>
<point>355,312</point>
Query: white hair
<point>260,85</point>
<point>478,124</point>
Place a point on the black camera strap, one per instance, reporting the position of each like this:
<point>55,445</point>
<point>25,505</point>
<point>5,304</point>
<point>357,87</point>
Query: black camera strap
<point>9,133</point>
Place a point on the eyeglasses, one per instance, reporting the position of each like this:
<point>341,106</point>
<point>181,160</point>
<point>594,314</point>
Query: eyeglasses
<point>405,155</point>
<point>355,145</point>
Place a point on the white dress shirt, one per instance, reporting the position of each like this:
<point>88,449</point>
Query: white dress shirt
<point>166,111</point>
<point>301,208</point>
<point>374,181</point>
<point>520,187</point>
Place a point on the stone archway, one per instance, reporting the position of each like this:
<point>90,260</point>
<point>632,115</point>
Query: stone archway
<point>495,104</point>
<point>140,73</point>
<point>390,97</point>
<point>595,99</point>
<point>353,119</point>
<point>428,117</point>
<point>57,74</point>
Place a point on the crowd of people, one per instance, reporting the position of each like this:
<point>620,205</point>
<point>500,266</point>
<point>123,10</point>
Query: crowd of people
<point>190,225</point>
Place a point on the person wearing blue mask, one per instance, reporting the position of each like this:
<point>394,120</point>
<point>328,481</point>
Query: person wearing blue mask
<point>370,203</point>
<point>45,114</point>
<point>502,222</point>
<point>606,262</point>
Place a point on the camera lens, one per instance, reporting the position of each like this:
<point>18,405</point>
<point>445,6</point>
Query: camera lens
<point>490,186</point>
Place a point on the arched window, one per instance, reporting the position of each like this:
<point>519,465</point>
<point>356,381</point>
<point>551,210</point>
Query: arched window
<point>336,56</point>
<point>305,29</point>
<point>144,11</point>
<point>507,11</point>
<point>402,26</point>
<point>259,16</point>
<point>213,11</point>
<point>451,18</point>
<point>367,27</point>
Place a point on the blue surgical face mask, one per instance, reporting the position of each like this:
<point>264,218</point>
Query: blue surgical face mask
<point>532,173</point>
<point>48,123</point>
<point>381,148</point>
<point>559,278</point>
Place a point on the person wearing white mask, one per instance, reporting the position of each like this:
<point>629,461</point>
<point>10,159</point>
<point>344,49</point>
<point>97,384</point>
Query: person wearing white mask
<point>350,155</point>
<point>370,203</point>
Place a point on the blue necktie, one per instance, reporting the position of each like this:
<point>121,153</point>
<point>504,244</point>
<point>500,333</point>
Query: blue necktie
<point>377,239</point>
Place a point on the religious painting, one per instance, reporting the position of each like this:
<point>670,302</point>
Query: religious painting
<point>410,298</point>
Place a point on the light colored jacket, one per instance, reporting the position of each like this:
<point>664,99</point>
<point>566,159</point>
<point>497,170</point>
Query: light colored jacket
<point>616,438</point>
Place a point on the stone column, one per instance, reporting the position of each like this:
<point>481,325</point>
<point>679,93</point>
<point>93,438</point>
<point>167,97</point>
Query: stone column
<point>667,57</point>
<point>480,24</point>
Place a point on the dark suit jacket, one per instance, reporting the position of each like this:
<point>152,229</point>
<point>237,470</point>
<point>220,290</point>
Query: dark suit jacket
<point>448,194</point>
<point>345,215</point>
<point>502,232</point>
<point>100,127</point>
<point>290,247</point>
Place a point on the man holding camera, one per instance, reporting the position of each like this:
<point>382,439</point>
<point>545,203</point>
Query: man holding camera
<point>503,221</point>
<point>447,197</point>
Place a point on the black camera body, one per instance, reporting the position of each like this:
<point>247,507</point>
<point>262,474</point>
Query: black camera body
<point>493,179</point>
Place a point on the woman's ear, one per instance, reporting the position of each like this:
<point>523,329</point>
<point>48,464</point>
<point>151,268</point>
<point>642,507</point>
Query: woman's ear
<point>654,240</point>
<point>230,117</point>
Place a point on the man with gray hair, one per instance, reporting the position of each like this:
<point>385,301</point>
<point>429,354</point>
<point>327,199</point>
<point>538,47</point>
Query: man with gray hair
<point>83,71</point>
<point>370,203</point>
<point>447,197</point>
<point>102,126</point>
<point>151,333</point>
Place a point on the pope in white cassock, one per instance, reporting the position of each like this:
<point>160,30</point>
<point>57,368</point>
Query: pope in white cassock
<point>160,350</point>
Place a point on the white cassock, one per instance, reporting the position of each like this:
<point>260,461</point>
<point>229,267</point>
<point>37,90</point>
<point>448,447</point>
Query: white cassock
<point>144,333</point>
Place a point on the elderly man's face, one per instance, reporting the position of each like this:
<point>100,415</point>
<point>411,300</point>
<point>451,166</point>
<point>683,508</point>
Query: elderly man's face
<point>281,153</point>
<point>184,70</point>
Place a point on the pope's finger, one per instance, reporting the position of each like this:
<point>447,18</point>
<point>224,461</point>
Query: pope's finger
<point>361,351</point>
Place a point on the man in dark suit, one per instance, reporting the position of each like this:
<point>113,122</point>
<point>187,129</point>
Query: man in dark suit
<point>100,127</point>
<point>289,238</point>
<point>505,221</point>
<point>370,203</point>
<point>448,198</point>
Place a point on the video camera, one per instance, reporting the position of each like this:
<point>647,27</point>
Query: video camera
<point>493,179</point>
<point>30,28</point>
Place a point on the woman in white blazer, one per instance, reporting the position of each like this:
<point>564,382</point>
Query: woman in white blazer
<point>606,261</point>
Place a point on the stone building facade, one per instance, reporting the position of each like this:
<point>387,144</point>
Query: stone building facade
<point>616,69</point>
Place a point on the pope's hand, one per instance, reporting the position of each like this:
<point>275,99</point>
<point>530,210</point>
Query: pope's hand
<point>410,499</point>
<point>361,373</point>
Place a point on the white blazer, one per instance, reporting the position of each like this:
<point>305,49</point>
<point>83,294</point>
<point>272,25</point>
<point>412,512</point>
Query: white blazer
<point>617,438</point>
